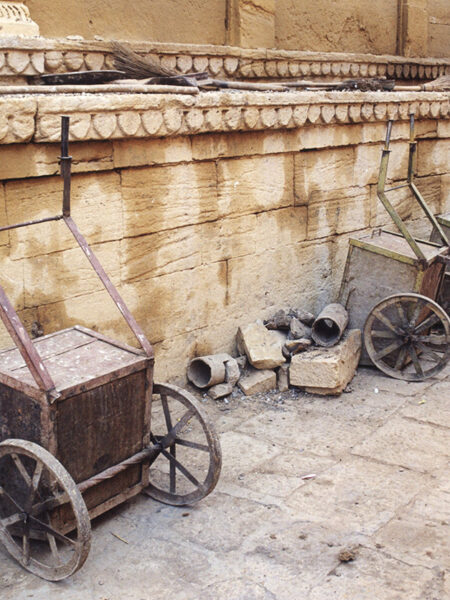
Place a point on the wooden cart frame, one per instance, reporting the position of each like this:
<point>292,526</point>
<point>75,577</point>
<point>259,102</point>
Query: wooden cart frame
<point>97,426</point>
<point>391,283</point>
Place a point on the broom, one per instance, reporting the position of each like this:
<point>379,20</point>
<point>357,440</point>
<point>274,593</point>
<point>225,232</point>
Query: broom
<point>441,84</point>
<point>136,67</point>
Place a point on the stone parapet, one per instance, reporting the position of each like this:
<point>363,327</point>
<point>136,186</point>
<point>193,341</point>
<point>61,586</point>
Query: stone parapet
<point>21,57</point>
<point>124,116</point>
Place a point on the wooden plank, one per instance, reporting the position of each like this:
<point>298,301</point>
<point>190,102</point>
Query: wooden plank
<point>82,364</point>
<point>104,338</point>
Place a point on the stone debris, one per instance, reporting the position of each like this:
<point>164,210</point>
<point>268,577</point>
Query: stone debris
<point>298,330</point>
<point>257,381</point>
<point>262,347</point>
<point>279,353</point>
<point>327,371</point>
<point>220,390</point>
<point>283,378</point>
<point>347,555</point>
<point>232,371</point>
<point>292,347</point>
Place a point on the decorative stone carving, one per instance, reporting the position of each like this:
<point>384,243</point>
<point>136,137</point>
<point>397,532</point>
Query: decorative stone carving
<point>15,20</point>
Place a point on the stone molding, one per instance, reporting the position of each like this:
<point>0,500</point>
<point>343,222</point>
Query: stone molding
<point>134,116</point>
<point>20,57</point>
<point>15,20</point>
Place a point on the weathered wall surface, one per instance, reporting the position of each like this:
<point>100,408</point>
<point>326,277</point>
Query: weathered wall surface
<point>184,21</point>
<point>228,207</point>
<point>439,28</point>
<point>407,27</point>
<point>342,25</point>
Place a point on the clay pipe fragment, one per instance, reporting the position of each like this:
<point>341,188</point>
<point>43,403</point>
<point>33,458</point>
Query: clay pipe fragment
<point>329,326</point>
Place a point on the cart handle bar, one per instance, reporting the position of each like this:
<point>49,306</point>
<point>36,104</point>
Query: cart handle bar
<point>381,192</point>
<point>11,319</point>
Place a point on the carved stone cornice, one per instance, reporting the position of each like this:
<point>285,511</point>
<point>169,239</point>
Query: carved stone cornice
<point>15,20</point>
<point>20,57</point>
<point>134,116</point>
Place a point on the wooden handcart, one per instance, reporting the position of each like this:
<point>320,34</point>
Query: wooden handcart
<point>84,428</point>
<point>394,288</point>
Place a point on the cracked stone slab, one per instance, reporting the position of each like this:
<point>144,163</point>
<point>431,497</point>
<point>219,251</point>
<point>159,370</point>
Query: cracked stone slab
<point>343,498</point>
<point>407,443</point>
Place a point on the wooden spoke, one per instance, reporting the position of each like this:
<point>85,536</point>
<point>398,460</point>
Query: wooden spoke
<point>401,313</point>
<point>418,307</point>
<point>428,352</point>
<point>416,362</point>
<point>400,362</point>
<point>31,539</point>
<point>166,412</point>
<point>383,319</point>
<point>436,340</point>
<point>183,469</point>
<point>389,349</point>
<point>194,445</point>
<point>21,468</point>
<point>388,335</point>
<point>430,321</point>
<point>421,353</point>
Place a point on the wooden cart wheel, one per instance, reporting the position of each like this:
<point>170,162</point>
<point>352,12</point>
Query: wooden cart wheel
<point>407,336</point>
<point>33,485</point>
<point>186,466</point>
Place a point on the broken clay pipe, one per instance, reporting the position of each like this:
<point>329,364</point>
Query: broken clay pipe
<point>207,371</point>
<point>329,326</point>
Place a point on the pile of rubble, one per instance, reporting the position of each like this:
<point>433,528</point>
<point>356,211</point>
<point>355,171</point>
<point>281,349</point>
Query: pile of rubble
<point>292,348</point>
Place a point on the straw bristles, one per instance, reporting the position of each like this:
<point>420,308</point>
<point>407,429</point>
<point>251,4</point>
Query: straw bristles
<point>441,84</point>
<point>137,67</point>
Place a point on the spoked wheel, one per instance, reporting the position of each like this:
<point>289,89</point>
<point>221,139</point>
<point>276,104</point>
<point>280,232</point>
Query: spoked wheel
<point>186,462</point>
<point>34,486</point>
<point>407,336</point>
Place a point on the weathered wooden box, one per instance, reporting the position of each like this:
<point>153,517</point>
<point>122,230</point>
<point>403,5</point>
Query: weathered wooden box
<point>100,418</point>
<point>383,264</point>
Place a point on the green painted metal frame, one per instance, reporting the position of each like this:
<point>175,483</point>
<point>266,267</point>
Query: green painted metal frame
<point>381,193</point>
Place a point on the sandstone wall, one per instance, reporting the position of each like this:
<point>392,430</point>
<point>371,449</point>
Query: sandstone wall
<point>207,212</point>
<point>439,28</point>
<point>184,21</point>
<point>342,25</point>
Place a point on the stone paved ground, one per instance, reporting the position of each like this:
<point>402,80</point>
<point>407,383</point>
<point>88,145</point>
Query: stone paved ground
<point>380,455</point>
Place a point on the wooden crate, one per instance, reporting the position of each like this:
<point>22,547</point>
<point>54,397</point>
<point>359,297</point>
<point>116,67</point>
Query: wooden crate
<point>102,414</point>
<point>383,264</point>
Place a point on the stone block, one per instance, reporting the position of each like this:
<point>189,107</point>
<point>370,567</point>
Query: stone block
<point>276,228</point>
<point>61,275</point>
<point>255,24</point>
<point>21,161</point>
<point>220,390</point>
<point>367,163</point>
<point>329,136</point>
<point>229,238</point>
<point>432,157</point>
<point>160,198</point>
<point>445,201</point>
<point>283,378</point>
<point>258,381</point>
<point>232,371</point>
<point>96,208</point>
<point>180,302</point>
<point>265,275</point>
<point>161,151</point>
<point>337,212</point>
<point>4,235</point>
<point>327,370</point>
<point>262,347</point>
<point>327,169</point>
<point>257,184</point>
<point>405,203</point>
<point>12,278</point>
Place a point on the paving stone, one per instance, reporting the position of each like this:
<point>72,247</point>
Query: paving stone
<point>407,443</point>
<point>421,533</point>
<point>432,406</point>
<point>356,495</point>
<point>373,575</point>
<point>324,435</point>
